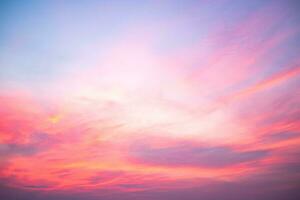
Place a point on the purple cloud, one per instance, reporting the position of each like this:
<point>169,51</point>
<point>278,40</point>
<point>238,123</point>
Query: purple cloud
<point>189,155</point>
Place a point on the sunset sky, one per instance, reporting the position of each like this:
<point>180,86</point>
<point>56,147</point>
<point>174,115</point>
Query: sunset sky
<point>150,100</point>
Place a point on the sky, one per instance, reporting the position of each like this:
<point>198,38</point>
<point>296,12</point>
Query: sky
<point>109,100</point>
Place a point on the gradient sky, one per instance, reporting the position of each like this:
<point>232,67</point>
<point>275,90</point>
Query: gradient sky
<point>110,100</point>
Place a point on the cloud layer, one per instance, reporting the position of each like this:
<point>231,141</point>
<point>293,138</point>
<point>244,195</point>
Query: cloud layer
<point>153,100</point>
